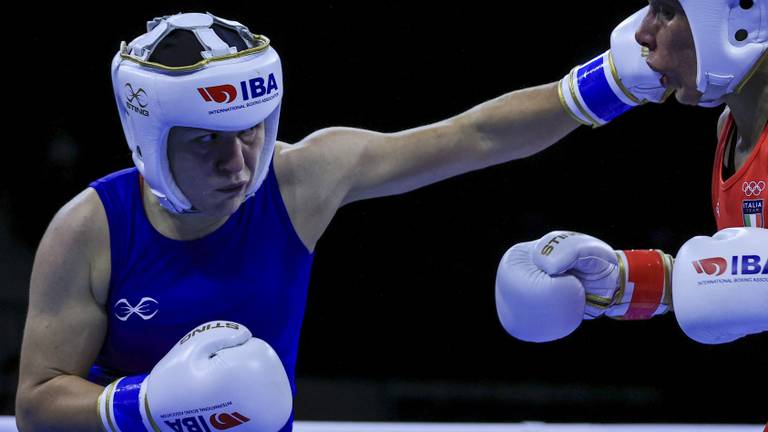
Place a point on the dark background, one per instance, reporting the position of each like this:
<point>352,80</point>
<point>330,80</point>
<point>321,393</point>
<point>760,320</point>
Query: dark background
<point>401,323</point>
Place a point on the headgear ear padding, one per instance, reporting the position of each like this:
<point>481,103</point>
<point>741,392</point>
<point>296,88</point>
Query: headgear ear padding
<point>224,87</point>
<point>731,37</point>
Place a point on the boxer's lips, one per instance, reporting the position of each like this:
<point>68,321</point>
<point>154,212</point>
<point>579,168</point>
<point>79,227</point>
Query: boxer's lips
<point>235,187</point>
<point>664,80</point>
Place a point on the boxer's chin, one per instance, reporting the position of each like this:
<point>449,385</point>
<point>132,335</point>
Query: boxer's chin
<point>687,96</point>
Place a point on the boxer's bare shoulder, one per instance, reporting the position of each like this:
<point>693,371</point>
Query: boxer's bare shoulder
<point>76,243</point>
<point>79,230</point>
<point>314,176</point>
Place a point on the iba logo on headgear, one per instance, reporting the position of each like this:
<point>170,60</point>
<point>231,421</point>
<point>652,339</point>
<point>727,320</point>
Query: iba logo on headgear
<point>740,265</point>
<point>227,93</point>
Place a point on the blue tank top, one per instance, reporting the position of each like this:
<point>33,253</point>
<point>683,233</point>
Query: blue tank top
<point>254,270</point>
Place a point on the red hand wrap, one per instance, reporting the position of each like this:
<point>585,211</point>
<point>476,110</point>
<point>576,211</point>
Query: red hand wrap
<point>647,274</point>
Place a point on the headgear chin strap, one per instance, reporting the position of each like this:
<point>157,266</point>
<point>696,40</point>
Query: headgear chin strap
<point>731,37</point>
<point>226,90</point>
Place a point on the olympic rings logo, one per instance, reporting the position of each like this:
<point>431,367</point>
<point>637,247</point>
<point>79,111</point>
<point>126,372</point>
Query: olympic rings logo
<point>753,188</point>
<point>146,309</point>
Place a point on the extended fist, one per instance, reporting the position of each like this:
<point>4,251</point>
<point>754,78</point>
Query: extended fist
<point>545,288</point>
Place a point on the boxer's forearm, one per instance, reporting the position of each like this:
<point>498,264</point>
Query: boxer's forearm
<point>65,403</point>
<point>509,127</point>
<point>518,124</point>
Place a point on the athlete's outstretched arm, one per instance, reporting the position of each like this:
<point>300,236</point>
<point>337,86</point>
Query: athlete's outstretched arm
<point>361,164</point>
<point>358,164</point>
<point>509,127</point>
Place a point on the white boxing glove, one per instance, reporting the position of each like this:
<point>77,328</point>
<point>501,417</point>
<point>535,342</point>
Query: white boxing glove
<point>629,284</point>
<point>614,82</point>
<point>215,378</point>
<point>545,288</point>
<point>532,305</point>
<point>720,285</point>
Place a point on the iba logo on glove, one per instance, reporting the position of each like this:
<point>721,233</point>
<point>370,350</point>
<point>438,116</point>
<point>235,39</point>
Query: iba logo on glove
<point>740,265</point>
<point>198,424</point>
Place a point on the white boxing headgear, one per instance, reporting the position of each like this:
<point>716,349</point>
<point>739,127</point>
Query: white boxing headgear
<point>731,38</point>
<point>224,88</point>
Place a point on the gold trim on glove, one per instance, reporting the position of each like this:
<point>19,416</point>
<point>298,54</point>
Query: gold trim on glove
<point>571,86</point>
<point>618,82</point>
<point>108,403</point>
<point>154,425</point>
<point>565,104</point>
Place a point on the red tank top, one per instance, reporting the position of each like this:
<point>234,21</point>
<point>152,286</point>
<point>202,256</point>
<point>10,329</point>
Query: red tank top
<point>741,199</point>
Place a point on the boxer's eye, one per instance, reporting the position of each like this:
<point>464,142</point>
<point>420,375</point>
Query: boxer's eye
<point>250,134</point>
<point>667,13</point>
<point>205,138</point>
<point>664,11</point>
<point>250,131</point>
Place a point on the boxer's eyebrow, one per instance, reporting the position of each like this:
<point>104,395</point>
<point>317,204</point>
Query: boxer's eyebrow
<point>671,3</point>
